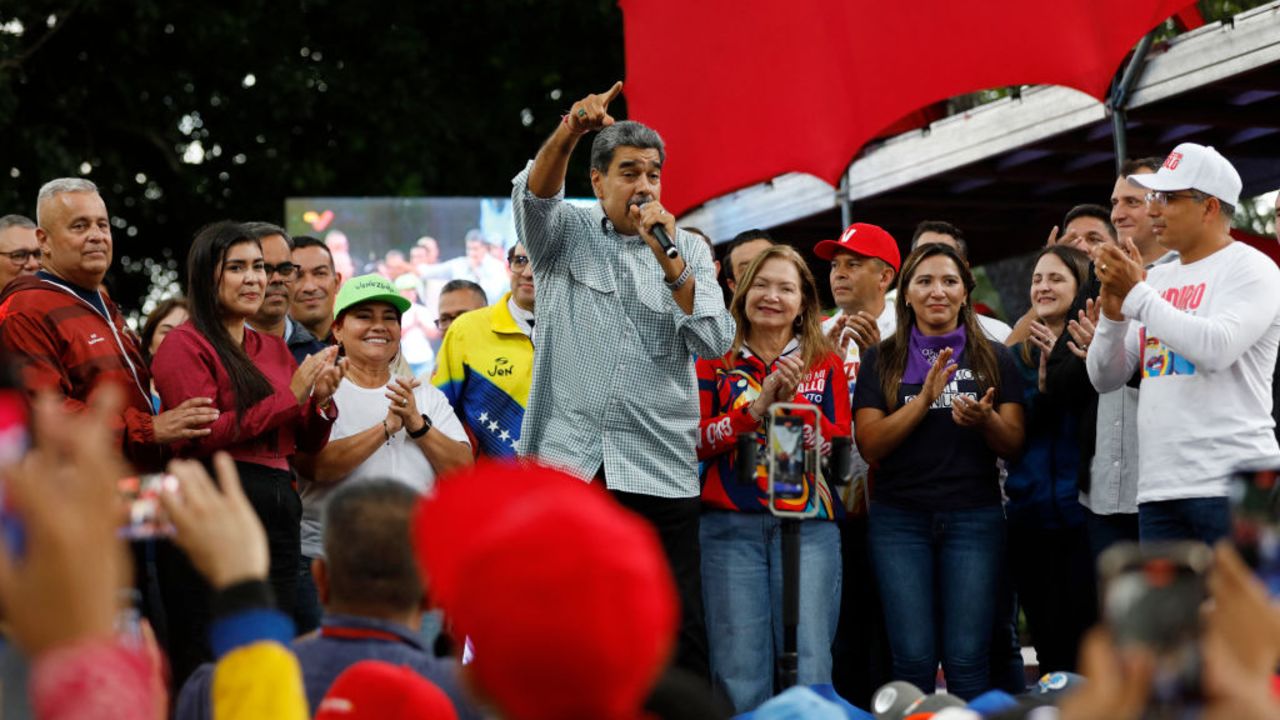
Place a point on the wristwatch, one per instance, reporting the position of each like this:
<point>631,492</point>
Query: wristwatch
<point>681,279</point>
<point>426,425</point>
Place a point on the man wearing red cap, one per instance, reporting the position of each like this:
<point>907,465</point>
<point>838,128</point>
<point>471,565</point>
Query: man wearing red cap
<point>864,262</point>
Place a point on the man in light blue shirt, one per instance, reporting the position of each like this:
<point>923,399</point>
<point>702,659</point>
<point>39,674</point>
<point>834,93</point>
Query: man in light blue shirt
<point>614,393</point>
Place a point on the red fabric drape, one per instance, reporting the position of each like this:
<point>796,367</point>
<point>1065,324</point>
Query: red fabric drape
<point>744,90</point>
<point>1268,245</point>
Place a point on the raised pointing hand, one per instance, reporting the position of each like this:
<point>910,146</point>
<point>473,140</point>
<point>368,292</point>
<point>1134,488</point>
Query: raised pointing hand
<point>592,112</point>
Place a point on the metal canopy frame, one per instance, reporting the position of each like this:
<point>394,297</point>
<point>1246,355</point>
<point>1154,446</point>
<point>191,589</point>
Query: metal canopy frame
<point>1007,171</point>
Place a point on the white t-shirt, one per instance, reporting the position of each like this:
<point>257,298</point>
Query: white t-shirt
<point>1205,336</point>
<point>400,459</point>
<point>413,338</point>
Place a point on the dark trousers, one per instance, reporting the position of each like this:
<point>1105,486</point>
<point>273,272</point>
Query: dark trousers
<point>861,660</point>
<point>1107,530</point>
<point>1008,673</point>
<point>187,596</point>
<point>677,522</point>
<point>1054,574</point>
<point>307,612</point>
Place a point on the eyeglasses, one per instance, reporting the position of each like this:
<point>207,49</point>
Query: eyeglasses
<point>285,269</point>
<point>518,262</point>
<point>20,257</point>
<point>1158,197</point>
<point>445,321</point>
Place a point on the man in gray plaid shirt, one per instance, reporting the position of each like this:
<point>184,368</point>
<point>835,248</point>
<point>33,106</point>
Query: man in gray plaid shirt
<point>614,395</point>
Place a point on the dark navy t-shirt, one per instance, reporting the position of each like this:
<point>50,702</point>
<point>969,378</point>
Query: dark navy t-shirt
<point>940,465</point>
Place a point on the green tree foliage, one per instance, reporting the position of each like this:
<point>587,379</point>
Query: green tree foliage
<point>279,99</point>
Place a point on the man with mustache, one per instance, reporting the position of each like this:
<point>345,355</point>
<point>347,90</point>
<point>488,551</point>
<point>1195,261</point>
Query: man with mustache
<point>69,336</point>
<point>614,395</point>
<point>273,317</point>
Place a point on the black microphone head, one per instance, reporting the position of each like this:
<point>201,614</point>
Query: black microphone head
<point>747,458</point>
<point>841,461</point>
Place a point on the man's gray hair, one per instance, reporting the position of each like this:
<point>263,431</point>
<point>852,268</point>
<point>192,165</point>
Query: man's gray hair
<point>19,221</point>
<point>60,186</point>
<point>258,230</point>
<point>627,133</point>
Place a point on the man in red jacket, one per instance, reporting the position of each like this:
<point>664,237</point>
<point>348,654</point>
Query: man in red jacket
<point>70,337</point>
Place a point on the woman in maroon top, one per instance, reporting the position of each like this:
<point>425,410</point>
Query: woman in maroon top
<point>269,409</point>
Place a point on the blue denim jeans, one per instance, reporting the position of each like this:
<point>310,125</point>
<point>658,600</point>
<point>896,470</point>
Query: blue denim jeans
<point>742,594</point>
<point>1204,519</point>
<point>939,567</point>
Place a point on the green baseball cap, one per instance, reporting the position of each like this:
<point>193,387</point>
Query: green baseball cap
<point>368,288</point>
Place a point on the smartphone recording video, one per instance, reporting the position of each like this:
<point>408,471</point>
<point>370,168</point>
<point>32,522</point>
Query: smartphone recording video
<point>1255,523</point>
<point>1152,597</point>
<point>792,462</point>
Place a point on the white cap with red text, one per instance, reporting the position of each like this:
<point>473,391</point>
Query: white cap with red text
<point>1195,167</point>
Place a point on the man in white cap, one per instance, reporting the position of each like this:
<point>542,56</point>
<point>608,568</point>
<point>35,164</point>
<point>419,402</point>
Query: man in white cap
<point>1203,332</point>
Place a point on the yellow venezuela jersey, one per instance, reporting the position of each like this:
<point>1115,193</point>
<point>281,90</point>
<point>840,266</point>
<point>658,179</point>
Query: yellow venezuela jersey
<point>484,367</point>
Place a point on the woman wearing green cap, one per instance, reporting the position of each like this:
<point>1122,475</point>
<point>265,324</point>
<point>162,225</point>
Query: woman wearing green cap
<point>270,408</point>
<point>391,427</point>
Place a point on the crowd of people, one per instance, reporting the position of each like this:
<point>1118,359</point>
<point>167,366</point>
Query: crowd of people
<point>550,517</point>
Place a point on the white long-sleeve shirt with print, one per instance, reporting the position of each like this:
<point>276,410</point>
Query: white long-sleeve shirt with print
<point>1205,336</point>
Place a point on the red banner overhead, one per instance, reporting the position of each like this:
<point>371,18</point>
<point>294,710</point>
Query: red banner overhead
<point>745,90</point>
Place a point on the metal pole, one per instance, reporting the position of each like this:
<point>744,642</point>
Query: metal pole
<point>1120,98</point>
<point>789,660</point>
<point>846,205</point>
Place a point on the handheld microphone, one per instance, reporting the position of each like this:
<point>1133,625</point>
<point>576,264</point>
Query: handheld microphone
<point>840,462</point>
<point>660,232</point>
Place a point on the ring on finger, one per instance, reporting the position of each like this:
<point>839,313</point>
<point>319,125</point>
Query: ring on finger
<point>582,112</point>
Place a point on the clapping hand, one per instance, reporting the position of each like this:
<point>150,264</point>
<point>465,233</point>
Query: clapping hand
<point>1119,269</point>
<point>403,403</point>
<point>328,380</point>
<point>1044,340</point>
<point>1071,239</point>
<point>860,327</point>
<point>310,371</point>
<point>939,375</point>
<point>1082,330</point>
<point>967,412</point>
<point>780,385</point>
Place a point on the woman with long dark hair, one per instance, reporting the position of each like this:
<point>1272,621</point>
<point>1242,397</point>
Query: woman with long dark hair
<point>269,409</point>
<point>935,405</point>
<point>779,354</point>
<point>1046,519</point>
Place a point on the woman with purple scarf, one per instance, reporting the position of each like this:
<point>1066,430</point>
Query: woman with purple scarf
<point>935,405</point>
